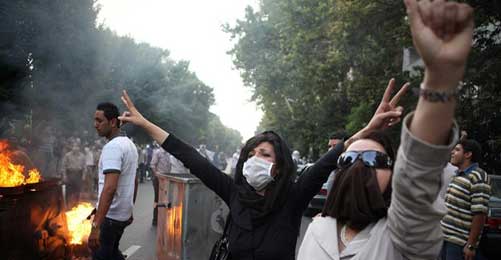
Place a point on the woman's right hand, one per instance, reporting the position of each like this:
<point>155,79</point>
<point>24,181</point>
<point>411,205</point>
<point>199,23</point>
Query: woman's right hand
<point>388,112</point>
<point>132,115</point>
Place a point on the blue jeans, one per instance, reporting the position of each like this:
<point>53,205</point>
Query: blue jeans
<point>109,238</point>
<point>452,251</point>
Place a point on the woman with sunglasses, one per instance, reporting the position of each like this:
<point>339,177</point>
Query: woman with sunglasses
<point>378,209</point>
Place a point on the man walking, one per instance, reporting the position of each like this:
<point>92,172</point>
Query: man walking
<point>117,185</point>
<point>90,169</point>
<point>73,170</point>
<point>467,201</point>
<point>160,164</point>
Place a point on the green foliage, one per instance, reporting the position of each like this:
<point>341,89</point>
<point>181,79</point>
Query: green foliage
<point>220,138</point>
<point>304,61</point>
<point>322,65</point>
<point>356,117</point>
<point>77,64</point>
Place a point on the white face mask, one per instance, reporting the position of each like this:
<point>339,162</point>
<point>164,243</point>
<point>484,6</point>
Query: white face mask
<point>257,172</point>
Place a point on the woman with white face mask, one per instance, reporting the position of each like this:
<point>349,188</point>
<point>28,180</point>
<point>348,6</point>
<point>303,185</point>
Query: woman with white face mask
<point>265,202</point>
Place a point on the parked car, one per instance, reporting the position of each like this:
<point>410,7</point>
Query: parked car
<point>317,203</point>
<point>491,237</point>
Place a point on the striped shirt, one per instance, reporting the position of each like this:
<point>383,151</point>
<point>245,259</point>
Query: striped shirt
<point>467,195</point>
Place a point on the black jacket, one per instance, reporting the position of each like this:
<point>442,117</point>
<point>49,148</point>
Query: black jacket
<point>276,238</point>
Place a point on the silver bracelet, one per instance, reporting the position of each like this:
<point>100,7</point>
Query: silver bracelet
<point>433,95</point>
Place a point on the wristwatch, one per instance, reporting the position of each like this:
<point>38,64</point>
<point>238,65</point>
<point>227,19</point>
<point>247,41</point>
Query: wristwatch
<point>471,247</point>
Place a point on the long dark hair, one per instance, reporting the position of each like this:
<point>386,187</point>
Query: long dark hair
<point>276,192</point>
<point>355,198</point>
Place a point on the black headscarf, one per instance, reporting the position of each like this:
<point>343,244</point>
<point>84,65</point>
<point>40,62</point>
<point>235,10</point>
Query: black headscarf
<point>276,192</point>
<point>355,198</point>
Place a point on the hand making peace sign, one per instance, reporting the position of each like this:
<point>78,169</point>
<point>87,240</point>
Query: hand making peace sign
<point>132,115</point>
<point>388,113</point>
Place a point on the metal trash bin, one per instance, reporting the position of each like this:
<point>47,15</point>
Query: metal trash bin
<point>190,218</point>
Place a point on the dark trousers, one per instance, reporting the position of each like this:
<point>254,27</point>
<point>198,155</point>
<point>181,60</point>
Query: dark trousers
<point>141,172</point>
<point>452,251</point>
<point>109,238</point>
<point>155,189</point>
<point>73,187</point>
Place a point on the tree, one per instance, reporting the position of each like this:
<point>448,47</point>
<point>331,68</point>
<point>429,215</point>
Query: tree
<point>320,66</point>
<point>304,61</point>
<point>57,64</point>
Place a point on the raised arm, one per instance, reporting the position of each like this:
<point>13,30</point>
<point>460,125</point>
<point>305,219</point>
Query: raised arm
<point>313,177</point>
<point>212,177</point>
<point>133,116</point>
<point>387,115</point>
<point>442,34</point>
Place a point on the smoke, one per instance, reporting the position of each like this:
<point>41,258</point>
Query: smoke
<point>57,64</point>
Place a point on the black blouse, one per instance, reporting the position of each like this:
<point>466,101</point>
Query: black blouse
<point>276,238</point>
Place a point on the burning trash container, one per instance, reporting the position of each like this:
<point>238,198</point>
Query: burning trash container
<point>190,218</point>
<point>31,223</point>
<point>34,223</point>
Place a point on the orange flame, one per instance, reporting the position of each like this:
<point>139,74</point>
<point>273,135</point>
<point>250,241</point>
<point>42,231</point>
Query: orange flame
<point>11,175</point>
<point>78,226</point>
<point>34,176</point>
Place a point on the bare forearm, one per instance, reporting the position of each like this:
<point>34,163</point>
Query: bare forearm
<point>433,121</point>
<point>358,135</point>
<point>477,224</point>
<point>157,133</point>
<point>104,205</point>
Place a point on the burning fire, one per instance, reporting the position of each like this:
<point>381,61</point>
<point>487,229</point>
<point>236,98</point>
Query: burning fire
<point>34,176</point>
<point>78,225</point>
<point>11,175</point>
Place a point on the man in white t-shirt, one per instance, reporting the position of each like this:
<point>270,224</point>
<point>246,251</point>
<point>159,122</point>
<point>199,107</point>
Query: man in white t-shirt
<point>117,185</point>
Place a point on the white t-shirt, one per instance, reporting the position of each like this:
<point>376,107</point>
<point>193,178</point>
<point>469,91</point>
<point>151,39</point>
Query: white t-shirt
<point>119,154</point>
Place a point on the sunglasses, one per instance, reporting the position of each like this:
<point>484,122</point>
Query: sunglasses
<point>373,159</point>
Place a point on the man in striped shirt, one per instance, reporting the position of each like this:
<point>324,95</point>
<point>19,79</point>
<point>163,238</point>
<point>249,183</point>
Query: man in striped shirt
<point>467,201</point>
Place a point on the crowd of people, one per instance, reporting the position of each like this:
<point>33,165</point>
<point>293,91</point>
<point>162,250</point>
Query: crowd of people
<point>73,159</point>
<point>425,200</point>
<point>383,204</point>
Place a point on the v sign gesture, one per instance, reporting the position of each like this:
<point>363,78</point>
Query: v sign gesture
<point>133,116</point>
<point>387,114</point>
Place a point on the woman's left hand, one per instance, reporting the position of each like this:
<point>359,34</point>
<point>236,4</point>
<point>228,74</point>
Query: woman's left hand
<point>388,112</point>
